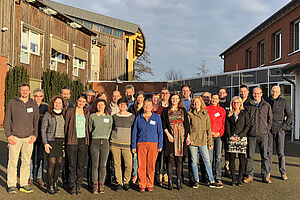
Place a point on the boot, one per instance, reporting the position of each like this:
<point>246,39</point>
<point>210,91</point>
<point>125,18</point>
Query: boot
<point>55,187</point>
<point>95,188</point>
<point>179,185</point>
<point>170,184</point>
<point>101,187</point>
<point>51,190</point>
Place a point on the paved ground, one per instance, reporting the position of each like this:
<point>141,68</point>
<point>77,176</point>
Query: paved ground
<point>279,189</point>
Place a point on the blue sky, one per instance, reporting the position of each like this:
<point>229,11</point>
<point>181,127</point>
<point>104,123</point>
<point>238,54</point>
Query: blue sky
<point>182,33</point>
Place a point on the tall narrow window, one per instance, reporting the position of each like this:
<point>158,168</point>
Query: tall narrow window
<point>261,53</point>
<point>277,45</point>
<point>30,44</point>
<point>297,35</point>
<point>249,58</point>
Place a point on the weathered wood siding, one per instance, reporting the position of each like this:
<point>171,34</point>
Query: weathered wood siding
<point>5,19</point>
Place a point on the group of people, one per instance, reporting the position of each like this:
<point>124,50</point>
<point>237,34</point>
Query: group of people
<point>138,138</point>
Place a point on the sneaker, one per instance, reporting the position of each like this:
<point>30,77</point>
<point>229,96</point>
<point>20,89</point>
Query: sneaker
<point>248,179</point>
<point>26,189</point>
<point>166,178</point>
<point>219,184</point>
<point>126,187</point>
<point>196,184</point>
<point>119,187</point>
<point>266,180</point>
<point>284,176</point>
<point>142,189</point>
<point>30,181</point>
<point>150,189</point>
<point>212,185</point>
<point>134,179</point>
<point>12,190</point>
<point>40,182</point>
<point>268,175</point>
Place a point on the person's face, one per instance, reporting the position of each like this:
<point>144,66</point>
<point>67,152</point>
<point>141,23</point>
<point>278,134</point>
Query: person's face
<point>236,104</point>
<point>215,100</point>
<point>140,99</point>
<point>90,96</point>
<point>257,94</point>
<point>206,98</point>
<point>58,104</point>
<point>38,97</point>
<point>81,102</point>
<point>129,93</point>
<point>244,92</point>
<point>66,94</point>
<point>155,99</point>
<point>186,92</point>
<point>24,91</point>
<point>103,96</point>
<point>165,95</point>
<point>100,106</point>
<point>197,104</point>
<point>275,92</point>
<point>175,100</point>
<point>222,94</point>
<point>148,106</point>
<point>116,96</point>
<point>123,106</point>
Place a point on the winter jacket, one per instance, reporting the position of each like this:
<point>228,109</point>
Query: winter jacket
<point>217,116</point>
<point>48,128</point>
<point>240,127</point>
<point>200,128</point>
<point>144,131</point>
<point>280,109</point>
<point>260,118</point>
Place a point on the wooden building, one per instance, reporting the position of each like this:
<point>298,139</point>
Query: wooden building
<point>118,44</point>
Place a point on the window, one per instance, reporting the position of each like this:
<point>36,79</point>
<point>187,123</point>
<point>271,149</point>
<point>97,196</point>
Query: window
<point>277,45</point>
<point>88,24</point>
<point>118,33</point>
<point>297,35</point>
<point>261,53</point>
<point>79,20</point>
<point>30,44</point>
<point>97,27</point>
<point>249,58</point>
<point>55,58</point>
<point>78,64</point>
<point>107,30</point>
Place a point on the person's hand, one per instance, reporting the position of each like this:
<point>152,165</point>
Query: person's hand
<point>159,149</point>
<point>32,139</point>
<point>234,138</point>
<point>47,148</point>
<point>210,147</point>
<point>215,134</point>
<point>11,140</point>
<point>170,138</point>
<point>133,151</point>
<point>188,141</point>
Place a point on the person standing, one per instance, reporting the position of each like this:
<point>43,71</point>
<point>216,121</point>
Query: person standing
<point>129,93</point>
<point>66,94</point>
<point>176,127</point>
<point>261,117</point>
<point>36,164</point>
<point>217,116</point>
<point>206,96</point>
<point>147,141</point>
<point>120,142</point>
<point>244,94</point>
<point>100,125</point>
<point>155,101</point>
<point>282,118</point>
<point>21,129</point>
<point>237,126</point>
<point>114,108</point>
<point>77,140</point>
<point>53,136</point>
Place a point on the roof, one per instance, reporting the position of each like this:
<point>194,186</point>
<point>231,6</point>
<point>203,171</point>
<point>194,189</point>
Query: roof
<point>295,67</point>
<point>268,22</point>
<point>94,17</point>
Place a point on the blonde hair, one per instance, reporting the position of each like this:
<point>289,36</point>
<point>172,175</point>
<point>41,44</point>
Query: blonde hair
<point>203,106</point>
<point>231,107</point>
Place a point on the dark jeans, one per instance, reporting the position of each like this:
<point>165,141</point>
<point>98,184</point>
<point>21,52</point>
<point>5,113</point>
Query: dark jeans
<point>65,168</point>
<point>216,158</point>
<point>99,154</point>
<point>37,161</point>
<point>242,164</point>
<point>262,142</point>
<point>77,154</point>
<point>278,137</point>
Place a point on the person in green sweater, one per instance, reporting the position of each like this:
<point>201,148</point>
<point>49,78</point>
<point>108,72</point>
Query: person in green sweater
<point>100,125</point>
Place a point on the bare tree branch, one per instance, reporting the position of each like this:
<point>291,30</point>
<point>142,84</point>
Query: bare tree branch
<point>173,75</point>
<point>142,66</point>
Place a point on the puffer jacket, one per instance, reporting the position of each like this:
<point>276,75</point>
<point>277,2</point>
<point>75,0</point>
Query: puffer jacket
<point>261,118</point>
<point>200,128</point>
<point>281,109</point>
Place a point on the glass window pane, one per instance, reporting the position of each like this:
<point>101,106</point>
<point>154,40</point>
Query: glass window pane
<point>275,75</point>
<point>262,76</point>
<point>235,91</point>
<point>265,90</point>
<point>24,39</point>
<point>236,80</point>
<point>25,57</point>
<point>107,30</point>
<point>286,92</point>
<point>213,81</point>
<point>118,33</point>
<point>296,36</point>
<point>248,78</point>
<point>79,20</point>
<point>34,42</point>
<point>88,24</point>
<point>221,81</point>
<point>97,27</point>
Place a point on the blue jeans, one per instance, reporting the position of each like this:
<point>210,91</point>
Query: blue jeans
<point>216,158</point>
<point>36,163</point>
<point>135,165</point>
<point>205,157</point>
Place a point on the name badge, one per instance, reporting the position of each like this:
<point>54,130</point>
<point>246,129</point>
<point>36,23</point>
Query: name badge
<point>106,120</point>
<point>29,110</point>
<point>217,114</point>
<point>152,122</point>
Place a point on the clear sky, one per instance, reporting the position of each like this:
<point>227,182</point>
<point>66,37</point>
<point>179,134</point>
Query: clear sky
<point>182,33</point>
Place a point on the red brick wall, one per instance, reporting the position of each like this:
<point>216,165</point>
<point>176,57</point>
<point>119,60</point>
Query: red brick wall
<point>3,71</point>
<point>238,56</point>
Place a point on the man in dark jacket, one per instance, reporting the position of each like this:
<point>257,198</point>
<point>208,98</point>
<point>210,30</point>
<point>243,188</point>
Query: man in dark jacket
<point>244,94</point>
<point>260,114</point>
<point>21,129</point>
<point>282,118</point>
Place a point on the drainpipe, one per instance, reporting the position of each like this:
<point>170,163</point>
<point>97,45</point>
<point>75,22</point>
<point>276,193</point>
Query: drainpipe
<point>13,36</point>
<point>294,99</point>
